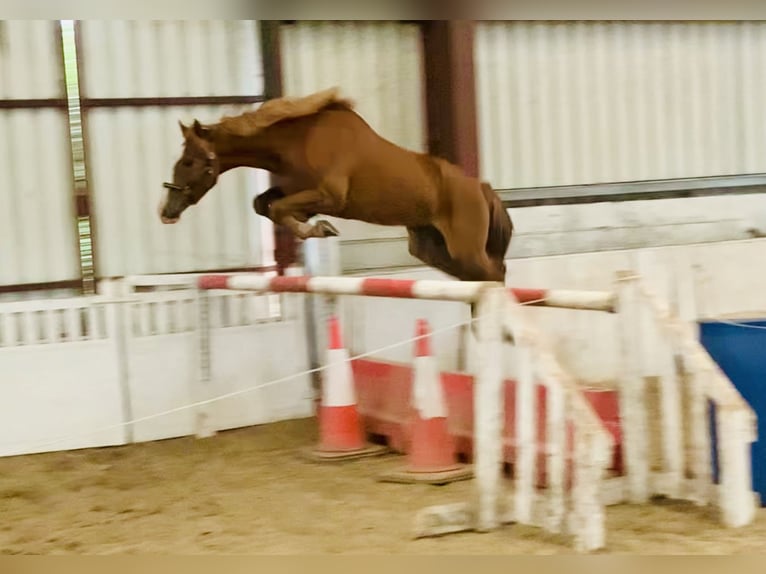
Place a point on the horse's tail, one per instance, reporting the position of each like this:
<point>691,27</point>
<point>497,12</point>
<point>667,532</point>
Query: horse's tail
<point>500,224</point>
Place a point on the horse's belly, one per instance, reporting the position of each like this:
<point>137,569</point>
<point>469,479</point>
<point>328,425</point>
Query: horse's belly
<point>384,208</point>
<point>387,214</point>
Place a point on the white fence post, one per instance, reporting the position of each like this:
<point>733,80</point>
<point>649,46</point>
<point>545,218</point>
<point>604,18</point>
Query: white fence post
<point>697,384</point>
<point>632,389</point>
<point>203,389</point>
<point>737,500</point>
<point>588,510</point>
<point>488,408</point>
<point>555,449</point>
<point>118,331</point>
<point>525,432</point>
<point>672,418</point>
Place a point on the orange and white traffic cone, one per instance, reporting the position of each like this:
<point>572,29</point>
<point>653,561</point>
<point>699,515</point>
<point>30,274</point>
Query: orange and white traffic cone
<point>431,458</point>
<point>341,433</point>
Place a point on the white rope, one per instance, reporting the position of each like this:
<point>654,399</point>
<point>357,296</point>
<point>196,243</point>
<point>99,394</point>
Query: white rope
<point>42,445</point>
<point>734,323</point>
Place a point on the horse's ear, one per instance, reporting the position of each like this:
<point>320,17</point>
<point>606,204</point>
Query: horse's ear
<point>184,129</point>
<point>201,131</point>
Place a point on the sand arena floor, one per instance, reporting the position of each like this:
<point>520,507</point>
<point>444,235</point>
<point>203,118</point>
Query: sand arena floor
<point>248,492</point>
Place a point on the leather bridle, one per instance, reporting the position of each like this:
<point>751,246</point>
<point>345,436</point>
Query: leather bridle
<point>175,187</point>
<point>186,189</point>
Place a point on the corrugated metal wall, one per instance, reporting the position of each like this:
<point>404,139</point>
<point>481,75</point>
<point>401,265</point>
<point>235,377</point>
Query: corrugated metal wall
<point>163,58</point>
<point>586,102</point>
<point>30,54</point>
<point>380,65</point>
<point>37,230</point>
<point>131,150</point>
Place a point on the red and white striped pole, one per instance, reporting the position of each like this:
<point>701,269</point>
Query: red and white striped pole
<point>431,456</point>
<point>341,432</point>
<point>465,291</point>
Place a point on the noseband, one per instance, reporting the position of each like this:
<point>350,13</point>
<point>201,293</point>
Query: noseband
<point>175,187</point>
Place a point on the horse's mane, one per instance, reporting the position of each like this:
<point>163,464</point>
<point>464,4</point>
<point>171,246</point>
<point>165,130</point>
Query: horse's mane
<point>285,108</point>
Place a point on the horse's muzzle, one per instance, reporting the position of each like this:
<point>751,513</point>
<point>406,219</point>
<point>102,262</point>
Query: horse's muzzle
<point>174,203</point>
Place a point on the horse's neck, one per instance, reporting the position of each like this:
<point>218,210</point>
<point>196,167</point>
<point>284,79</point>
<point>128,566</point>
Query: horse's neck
<point>236,152</point>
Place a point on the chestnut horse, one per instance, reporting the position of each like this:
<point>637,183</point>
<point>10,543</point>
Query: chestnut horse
<point>327,160</point>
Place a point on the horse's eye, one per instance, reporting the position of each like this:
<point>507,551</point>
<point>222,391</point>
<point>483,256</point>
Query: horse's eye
<point>186,162</point>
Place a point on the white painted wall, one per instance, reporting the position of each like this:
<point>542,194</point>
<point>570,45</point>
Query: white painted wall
<point>562,229</point>
<point>549,230</point>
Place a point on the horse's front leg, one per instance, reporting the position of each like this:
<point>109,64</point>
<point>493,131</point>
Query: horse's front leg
<point>294,210</point>
<point>262,202</point>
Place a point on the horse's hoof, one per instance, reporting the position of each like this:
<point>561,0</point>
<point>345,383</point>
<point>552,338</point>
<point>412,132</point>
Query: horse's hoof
<point>261,207</point>
<point>325,229</point>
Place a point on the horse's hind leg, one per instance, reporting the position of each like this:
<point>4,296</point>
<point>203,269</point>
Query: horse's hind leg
<point>465,224</point>
<point>427,244</point>
<point>465,237</point>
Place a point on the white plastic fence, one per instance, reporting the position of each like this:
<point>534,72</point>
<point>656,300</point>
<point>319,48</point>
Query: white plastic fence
<point>96,371</point>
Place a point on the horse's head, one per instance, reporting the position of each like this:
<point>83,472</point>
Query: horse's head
<point>195,172</point>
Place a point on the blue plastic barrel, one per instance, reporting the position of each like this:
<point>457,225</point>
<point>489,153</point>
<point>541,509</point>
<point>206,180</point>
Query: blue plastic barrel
<point>740,351</point>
